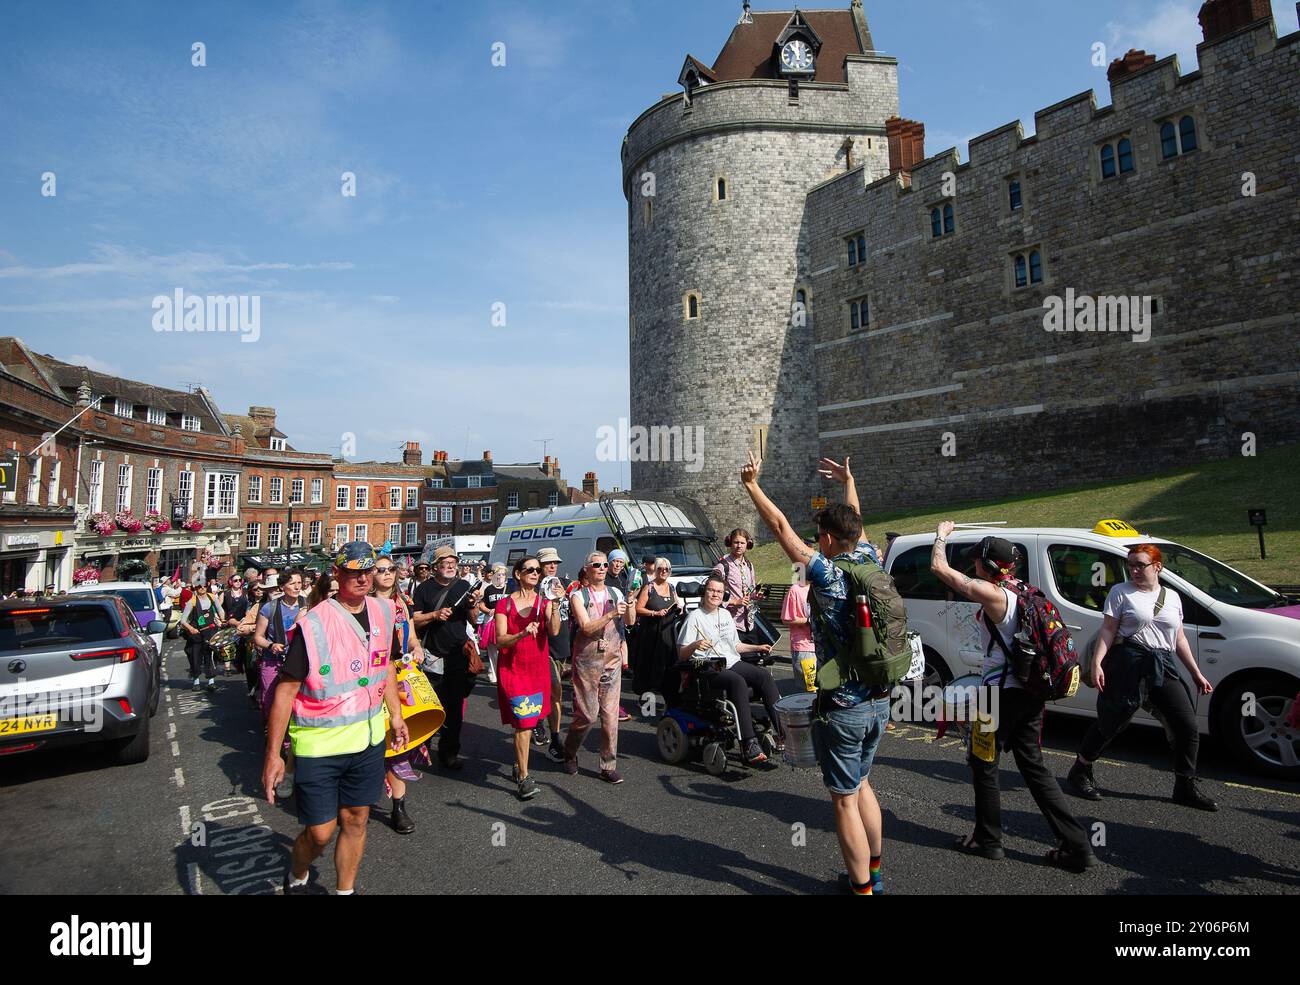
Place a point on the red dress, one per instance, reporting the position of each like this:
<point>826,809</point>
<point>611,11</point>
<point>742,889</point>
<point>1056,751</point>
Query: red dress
<point>523,670</point>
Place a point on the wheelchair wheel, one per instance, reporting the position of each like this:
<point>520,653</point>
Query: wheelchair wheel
<point>674,747</point>
<point>715,759</point>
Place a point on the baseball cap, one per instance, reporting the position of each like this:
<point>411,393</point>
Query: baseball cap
<point>355,555</point>
<point>998,550</point>
<point>547,554</point>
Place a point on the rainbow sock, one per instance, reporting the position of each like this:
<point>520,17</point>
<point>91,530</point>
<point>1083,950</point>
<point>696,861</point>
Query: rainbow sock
<point>861,890</point>
<point>877,884</point>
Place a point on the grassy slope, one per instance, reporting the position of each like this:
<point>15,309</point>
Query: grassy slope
<point>1203,507</point>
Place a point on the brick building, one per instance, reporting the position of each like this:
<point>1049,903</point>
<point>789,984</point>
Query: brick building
<point>891,307</point>
<point>286,493</point>
<point>528,485</point>
<point>379,501</point>
<point>460,499</point>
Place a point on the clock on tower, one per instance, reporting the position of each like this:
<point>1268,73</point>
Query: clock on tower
<point>797,58</point>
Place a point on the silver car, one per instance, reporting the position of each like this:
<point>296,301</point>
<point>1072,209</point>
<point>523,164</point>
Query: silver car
<point>76,669</point>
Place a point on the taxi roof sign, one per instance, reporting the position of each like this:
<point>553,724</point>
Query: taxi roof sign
<point>1115,528</point>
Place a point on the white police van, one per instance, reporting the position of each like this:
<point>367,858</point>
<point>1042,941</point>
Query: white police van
<point>469,548</point>
<point>1244,635</point>
<point>642,526</point>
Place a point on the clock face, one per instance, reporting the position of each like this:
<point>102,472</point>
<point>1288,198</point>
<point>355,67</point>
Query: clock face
<point>796,56</point>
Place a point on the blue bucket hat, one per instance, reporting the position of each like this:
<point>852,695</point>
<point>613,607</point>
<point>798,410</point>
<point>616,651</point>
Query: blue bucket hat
<point>618,556</point>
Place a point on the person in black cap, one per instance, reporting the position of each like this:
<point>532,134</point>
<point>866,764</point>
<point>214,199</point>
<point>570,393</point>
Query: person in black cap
<point>1018,715</point>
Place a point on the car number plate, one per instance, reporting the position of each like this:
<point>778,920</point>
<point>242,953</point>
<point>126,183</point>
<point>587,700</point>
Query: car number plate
<point>22,726</point>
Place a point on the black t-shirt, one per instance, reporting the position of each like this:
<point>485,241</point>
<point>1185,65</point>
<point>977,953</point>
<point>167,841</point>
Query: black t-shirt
<point>492,595</point>
<point>237,608</point>
<point>445,639</point>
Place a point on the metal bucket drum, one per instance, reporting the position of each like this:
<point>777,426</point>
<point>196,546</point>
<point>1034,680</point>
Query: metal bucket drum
<point>421,709</point>
<point>961,699</point>
<point>796,715</point>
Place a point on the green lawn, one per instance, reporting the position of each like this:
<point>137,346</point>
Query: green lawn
<point>1203,507</point>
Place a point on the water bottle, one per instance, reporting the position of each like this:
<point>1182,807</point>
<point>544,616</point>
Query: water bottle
<point>864,613</point>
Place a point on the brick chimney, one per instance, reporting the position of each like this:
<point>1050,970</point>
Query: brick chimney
<point>906,144</point>
<point>487,456</point>
<point>263,417</point>
<point>555,468</point>
<point>546,465</point>
<point>1220,17</point>
<point>589,485</point>
<point>411,454</point>
<point>1132,62</point>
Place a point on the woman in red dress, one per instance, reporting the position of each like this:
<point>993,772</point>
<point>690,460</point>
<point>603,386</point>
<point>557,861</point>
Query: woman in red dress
<point>524,662</point>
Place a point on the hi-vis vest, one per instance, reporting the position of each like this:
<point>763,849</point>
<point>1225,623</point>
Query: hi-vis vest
<point>339,708</point>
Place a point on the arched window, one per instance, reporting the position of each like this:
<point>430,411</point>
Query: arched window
<point>1125,155</point>
<point>853,252</point>
<point>649,210</point>
<point>1168,141</point>
<point>1187,130</point>
<point>1035,267</point>
<point>936,223</point>
<point>1021,276</point>
<point>722,189</point>
<point>1013,192</point>
<point>948,222</point>
<point>862,248</point>
<point>691,306</point>
<point>801,297</point>
<point>1108,161</point>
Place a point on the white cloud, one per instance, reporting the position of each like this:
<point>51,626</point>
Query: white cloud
<point>1171,29</point>
<point>93,362</point>
<point>122,261</point>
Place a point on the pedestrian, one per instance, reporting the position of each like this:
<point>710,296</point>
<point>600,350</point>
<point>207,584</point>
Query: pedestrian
<point>803,653</point>
<point>657,608</point>
<point>200,620</point>
<point>711,631</point>
<point>618,577</point>
<point>422,574</point>
<point>198,572</point>
<point>443,605</point>
<point>162,599</point>
<point>600,654</point>
<point>335,675</point>
<point>560,646</point>
<point>235,606</point>
<point>738,575</point>
<point>246,627</point>
<point>1017,714</point>
<point>405,583</point>
<point>1141,632</point>
<point>851,717</point>
<point>494,590</point>
<point>522,621</point>
<point>275,622</point>
<point>400,769</point>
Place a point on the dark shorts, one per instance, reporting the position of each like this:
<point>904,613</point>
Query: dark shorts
<point>324,784</point>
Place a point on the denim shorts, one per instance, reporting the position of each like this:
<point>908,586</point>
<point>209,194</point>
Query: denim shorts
<point>845,741</point>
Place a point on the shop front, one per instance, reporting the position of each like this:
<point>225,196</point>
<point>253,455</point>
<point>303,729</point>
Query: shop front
<point>32,558</point>
<point>126,557</point>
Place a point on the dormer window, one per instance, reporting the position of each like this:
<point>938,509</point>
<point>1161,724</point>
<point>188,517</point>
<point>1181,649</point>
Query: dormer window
<point>156,416</point>
<point>190,423</point>
<point>277,444</point>
<point>123,408</point>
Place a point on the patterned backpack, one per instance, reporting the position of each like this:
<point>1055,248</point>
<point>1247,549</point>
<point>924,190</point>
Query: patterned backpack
<point>1041,655</point>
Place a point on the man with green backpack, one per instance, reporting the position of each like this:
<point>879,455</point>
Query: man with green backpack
<point>859,629</point>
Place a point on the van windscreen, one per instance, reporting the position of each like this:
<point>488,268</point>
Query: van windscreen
<point>688,555</point>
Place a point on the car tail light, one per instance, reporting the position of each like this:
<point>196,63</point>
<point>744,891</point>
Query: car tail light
<point>25,747</point>
<point>123,654</point>
<point>126,706</point>
<point>28,612</point>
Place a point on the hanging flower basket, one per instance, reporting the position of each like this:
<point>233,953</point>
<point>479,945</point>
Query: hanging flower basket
<point>192,524</point>
<point>102,524</point>
<point>126,521</point>
<point>156,523</point>
<point>85,574</point>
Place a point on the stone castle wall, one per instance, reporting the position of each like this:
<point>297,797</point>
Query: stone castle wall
<point>953,347</point>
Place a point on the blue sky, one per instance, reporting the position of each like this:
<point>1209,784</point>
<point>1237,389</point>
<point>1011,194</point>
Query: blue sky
<point>476,185</point>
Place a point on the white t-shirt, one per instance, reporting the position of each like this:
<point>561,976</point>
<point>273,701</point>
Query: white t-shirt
<point>1134,608</point>
<point>995,661</point>
<point>718,627</point>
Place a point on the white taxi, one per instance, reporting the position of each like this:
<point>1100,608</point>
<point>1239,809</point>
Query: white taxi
<point>1246,637</point>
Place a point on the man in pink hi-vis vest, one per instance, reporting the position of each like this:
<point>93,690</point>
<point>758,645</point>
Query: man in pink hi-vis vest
<point>337,676</point>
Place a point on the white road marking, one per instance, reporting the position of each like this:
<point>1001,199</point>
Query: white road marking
<point>179,777</point>
<point>196,879</point>
<point>171,730</point>
<point>176,748</point>
<point>185,821</point>
<point>171,712</point>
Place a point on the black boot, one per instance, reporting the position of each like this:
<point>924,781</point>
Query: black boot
<point>1185,793</point>
<point>402,822</point>
<point>1081,781</point>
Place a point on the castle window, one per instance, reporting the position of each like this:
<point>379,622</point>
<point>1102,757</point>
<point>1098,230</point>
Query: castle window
<point>649,211</point>
<point>1014,199</point>
<point>799,308</point>
<point>942,221</point>
<point>722,189</point>
<point>1176,140</point>
<point>691,306</point>
<point>949,225</point>
<point>857,249</point>
<point>1027,268</point>
<point>1116,158</point>
<point>936,223</point>
<point>859,315</point>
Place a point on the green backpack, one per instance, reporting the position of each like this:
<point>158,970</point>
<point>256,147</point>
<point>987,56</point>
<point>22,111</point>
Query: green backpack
<point>879,656</point>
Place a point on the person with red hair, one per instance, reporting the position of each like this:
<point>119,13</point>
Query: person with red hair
<point>1134,665</point>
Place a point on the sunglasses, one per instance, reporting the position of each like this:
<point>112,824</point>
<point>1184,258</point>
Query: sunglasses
<point>421,567</point>
<point>384,571</point>
<point>530,570</point>
<point>598,564</point>
<point>664,570</point>
<point>1139,565</point>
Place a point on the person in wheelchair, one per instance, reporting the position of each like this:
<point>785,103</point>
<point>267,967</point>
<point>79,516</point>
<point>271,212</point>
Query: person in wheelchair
<point>710,631</point>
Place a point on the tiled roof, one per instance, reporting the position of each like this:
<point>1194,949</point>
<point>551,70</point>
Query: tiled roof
<point>748,52</point>
<point>381,468</point>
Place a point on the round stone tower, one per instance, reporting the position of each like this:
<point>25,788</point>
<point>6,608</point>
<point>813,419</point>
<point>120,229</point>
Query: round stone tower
<point>715,177</point>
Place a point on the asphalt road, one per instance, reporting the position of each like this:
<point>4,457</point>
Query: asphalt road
<point>75,825</point>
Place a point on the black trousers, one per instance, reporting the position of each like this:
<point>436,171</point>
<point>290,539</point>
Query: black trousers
<point>1020,725</point>
<point>736,681</point>
<point>200,655</point>
<point>452,691</point>
<point>1171,703</point>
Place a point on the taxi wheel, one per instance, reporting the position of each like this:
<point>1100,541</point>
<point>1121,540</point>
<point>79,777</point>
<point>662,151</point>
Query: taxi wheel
<point>1262,742</point>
